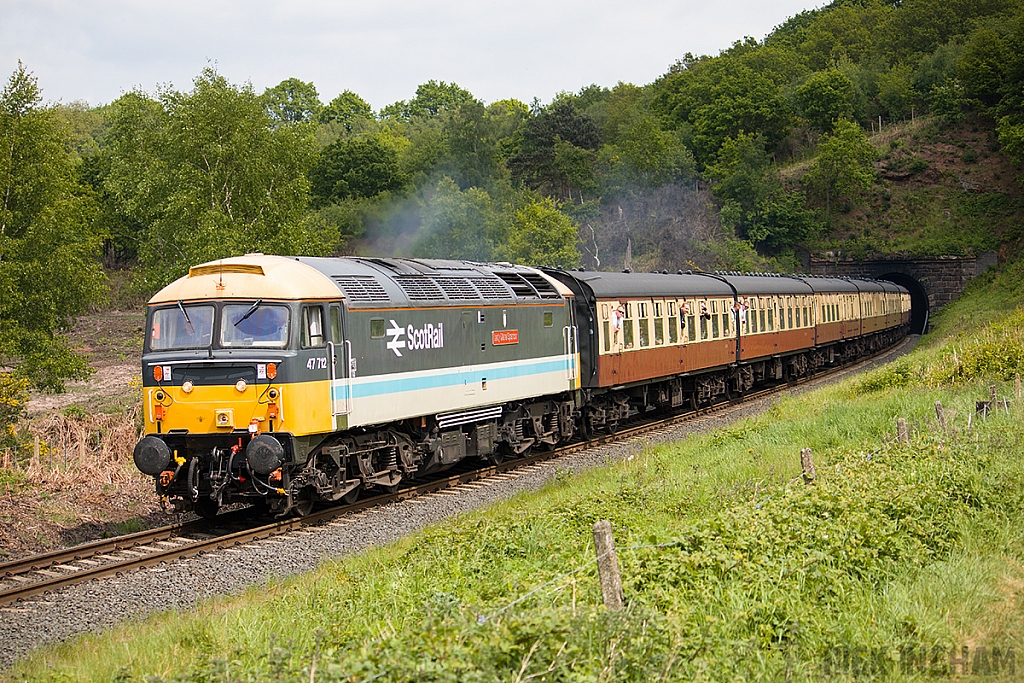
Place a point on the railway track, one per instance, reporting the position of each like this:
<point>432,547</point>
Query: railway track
<point>39,574</point>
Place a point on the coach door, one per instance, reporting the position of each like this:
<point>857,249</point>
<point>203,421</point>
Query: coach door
<point>341,363</point>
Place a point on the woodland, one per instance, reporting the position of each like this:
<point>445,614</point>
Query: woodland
<point>744,160</point>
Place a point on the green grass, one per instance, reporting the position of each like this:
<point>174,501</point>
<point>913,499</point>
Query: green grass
<point>732,567</point>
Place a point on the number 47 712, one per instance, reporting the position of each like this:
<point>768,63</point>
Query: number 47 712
<point>317,363</point>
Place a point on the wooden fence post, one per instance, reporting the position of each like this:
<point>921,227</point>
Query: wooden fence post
<point>940,414</point>
<point>608,565</point>
<point>807,465</point>
<point>992,393</point>
<point>902,434</point>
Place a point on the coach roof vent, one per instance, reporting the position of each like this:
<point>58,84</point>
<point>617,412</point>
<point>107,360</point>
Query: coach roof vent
<point>361,289</point>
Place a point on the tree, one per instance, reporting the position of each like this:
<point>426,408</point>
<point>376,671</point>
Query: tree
<point>459,224</point>
<point>292,101</point>
<point>842,166</point>
<point>742,180</point>
<point>980,67</point>
<point>895,91</point>
<point>210,175</point>
<point>432,98</point>
<point>49,243</point>
<point>357,167</point>
<point>648,156</point>
<point>347,109</point>
<point>721,98</point>
<point>825,97</point>
<point>784,222</point>
<point>536,163</point>
<point>542,235</point>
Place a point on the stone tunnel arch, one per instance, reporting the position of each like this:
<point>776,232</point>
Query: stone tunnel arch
<point>918,299</point>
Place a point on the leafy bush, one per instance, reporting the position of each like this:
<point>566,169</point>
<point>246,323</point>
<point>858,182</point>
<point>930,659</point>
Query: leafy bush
<point>13,398</point>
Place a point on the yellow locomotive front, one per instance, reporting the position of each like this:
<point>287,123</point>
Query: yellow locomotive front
<point>235,383</point>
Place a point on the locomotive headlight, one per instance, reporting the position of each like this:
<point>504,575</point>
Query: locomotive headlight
<point>159,396</point>
<point>240,385</point>
<point>187,386</point>
<point>271,370</point>
<point>158,373</point>
<point>272,394</point>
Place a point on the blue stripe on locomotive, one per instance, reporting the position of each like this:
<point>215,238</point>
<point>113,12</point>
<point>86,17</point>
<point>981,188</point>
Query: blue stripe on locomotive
<point>459,376</point>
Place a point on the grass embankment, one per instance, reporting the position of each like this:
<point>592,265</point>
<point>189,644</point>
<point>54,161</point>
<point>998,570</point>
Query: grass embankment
<point>899,555</point>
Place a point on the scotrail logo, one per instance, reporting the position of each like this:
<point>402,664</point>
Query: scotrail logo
<point>427,337</point>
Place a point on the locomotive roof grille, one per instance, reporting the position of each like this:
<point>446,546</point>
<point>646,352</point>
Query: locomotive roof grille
<point>491,288</point>
<point>545,290</point>
<point>458,288</point>
<point>361,289</point>
<point>420,288</point>
<point>521,287</point>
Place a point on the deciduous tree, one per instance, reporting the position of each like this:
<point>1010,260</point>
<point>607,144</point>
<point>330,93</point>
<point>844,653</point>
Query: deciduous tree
<point>842,167</point>
<point>292,101</point>
<point>542,235</point>
<point>49,242</point>
<point>210,175</point>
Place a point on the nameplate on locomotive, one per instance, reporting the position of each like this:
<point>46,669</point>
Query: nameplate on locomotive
<point>503,337</point>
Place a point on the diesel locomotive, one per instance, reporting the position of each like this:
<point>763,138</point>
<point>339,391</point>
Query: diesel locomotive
<point>285,382</point>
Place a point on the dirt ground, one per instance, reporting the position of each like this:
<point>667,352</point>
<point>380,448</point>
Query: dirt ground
<point>83,486</point>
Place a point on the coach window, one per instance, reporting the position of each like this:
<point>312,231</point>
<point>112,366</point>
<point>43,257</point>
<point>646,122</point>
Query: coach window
<point>627,327</point>
<point>659,323</point>
<point>726,314</point>
<point>312,326</point>
<point>771,314</point>
<point>803,302</point>
<point>376,328</point>
<point>673,323</point>
<point>644,322</point>
<point>691,321</point>
<point>702,307</point>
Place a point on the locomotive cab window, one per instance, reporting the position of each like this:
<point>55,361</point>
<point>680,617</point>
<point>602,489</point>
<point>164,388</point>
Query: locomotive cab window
<point>549,319</point>
<point>377,327</point>
<point>312,327</point>
<point>256,325</point>
<point>185,327</point>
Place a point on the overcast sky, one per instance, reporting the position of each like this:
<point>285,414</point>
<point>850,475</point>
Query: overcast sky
<point>95,51</point>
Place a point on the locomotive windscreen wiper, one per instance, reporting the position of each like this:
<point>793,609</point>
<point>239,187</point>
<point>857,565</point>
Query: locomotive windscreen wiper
<point>252,309</point>
<point>188,322</point>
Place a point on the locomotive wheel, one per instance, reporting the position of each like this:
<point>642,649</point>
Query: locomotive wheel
<point>303,504</point>
<point>206,507</point>
<point>351,496</point>
<point>586,428</point>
